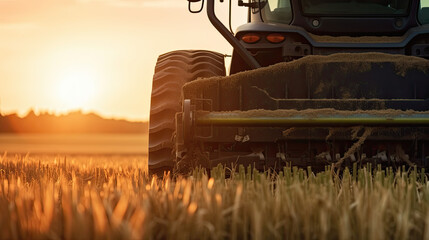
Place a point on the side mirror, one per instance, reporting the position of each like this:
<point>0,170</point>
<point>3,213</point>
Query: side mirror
<point>250,4</point>
<point>194,1</point>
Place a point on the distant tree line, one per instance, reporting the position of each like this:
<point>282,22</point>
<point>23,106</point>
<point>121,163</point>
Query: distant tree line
<point>74,122</point>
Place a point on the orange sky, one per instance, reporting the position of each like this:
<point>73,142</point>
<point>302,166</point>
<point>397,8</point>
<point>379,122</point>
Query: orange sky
<point>50,49</point>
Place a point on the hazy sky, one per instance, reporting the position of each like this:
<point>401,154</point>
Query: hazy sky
<point>96,55</point>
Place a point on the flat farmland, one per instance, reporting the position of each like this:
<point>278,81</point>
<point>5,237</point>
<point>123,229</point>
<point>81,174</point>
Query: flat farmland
<point>89,144</point>
<point>111,197</point>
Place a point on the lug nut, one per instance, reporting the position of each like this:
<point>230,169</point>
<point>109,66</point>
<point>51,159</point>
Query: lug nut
<point>316,22</point>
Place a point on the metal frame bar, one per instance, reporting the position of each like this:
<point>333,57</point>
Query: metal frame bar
<point>247,57</point>
<point>237,119</point>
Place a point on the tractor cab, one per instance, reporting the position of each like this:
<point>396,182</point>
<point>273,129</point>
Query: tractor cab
<point>344,17</point>
<point>324,27</point>
<point>281,11</point>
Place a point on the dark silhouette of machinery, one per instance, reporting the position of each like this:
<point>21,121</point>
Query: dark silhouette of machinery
<point>331,81</point>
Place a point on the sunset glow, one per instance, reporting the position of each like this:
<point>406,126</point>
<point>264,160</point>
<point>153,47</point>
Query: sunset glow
<point>94,55</point>
<point>76,89</point>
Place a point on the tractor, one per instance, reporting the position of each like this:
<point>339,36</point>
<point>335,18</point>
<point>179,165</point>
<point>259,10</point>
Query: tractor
<point>311,83</point>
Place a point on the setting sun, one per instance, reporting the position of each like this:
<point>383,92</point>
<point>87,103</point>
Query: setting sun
<point>92,55</point>
<point>76,89</point>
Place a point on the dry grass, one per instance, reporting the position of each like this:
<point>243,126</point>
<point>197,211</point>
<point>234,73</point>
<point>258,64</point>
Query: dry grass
<point>48,198</point>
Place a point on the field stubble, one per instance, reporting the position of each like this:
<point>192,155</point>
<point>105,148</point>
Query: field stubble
<point>45,197</point>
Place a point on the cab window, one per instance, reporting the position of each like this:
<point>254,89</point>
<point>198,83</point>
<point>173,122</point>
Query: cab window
<point>276,11</point>
<point>355,7</point>
<point>424,12</point>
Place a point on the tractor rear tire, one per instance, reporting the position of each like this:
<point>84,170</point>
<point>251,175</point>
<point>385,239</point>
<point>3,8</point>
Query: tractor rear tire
<point>172,71</point>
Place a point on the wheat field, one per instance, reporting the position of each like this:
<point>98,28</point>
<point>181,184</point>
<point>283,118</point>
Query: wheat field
<point>83,197</point>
